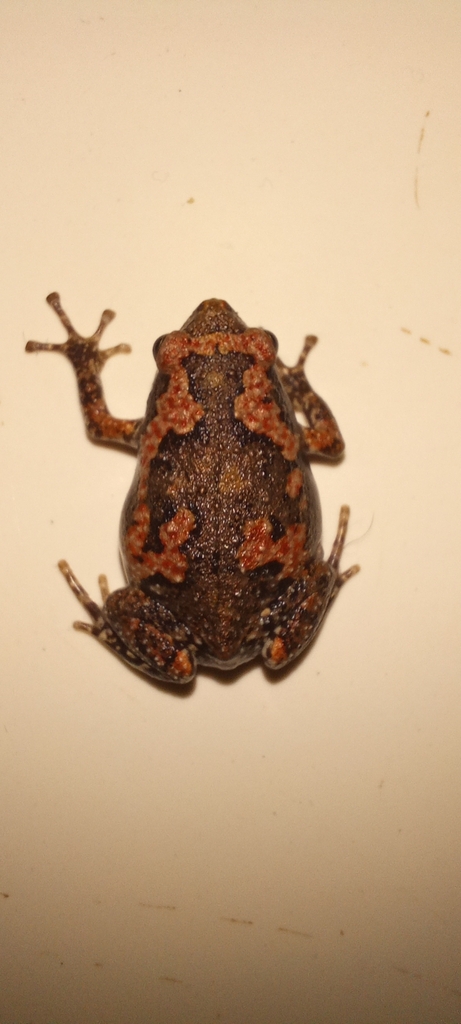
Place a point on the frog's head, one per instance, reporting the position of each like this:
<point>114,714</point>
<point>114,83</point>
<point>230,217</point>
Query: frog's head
<point>211,316</point>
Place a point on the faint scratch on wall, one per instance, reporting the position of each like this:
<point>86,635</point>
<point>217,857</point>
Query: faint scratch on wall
<point>418,153</point>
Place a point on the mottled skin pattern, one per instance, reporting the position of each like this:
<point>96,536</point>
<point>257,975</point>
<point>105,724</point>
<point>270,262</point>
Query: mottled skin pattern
<point>221,528</point>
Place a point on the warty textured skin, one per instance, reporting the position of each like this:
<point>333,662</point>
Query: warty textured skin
<point>221,528</point>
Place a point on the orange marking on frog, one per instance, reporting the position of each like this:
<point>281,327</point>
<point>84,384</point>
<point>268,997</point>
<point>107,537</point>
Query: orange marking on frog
<point>253,342</point>
<point>263,416</point>
<point>278,651</point>
<point>170,562</point>
<point>259,548</point>
<point>182,665</point>
<point>294,483</point>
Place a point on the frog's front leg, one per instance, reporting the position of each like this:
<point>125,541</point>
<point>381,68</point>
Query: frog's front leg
<point>88,359</point>
<point>296,617</point>
<point>322,436</point>
<point>137,628</point>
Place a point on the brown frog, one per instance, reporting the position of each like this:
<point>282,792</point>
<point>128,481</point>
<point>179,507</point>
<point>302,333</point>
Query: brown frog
<point>221,528</point>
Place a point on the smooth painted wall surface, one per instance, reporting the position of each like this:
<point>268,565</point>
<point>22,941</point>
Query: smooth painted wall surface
<point>273,852</point>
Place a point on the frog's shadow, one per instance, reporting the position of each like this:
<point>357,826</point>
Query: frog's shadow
<point>271,676</point>
<point>225,678</point>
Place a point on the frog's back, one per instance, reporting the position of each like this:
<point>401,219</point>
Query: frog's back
<point>223,511</point>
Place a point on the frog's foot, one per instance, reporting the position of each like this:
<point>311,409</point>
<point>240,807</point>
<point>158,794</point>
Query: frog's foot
<point>296,618</point>
<point>337,549</point>
<point>77,348</point>
<point>88,360</point>
<point>138,629</point>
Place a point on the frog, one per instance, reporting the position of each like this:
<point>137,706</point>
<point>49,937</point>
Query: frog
<point>220,533</point>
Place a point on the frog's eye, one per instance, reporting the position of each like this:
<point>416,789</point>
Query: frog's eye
<point>274,339</point>
<point>157,344</point>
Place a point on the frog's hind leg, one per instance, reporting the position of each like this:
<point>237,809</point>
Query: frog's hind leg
<point>297,617</point>
<point>138,630</point>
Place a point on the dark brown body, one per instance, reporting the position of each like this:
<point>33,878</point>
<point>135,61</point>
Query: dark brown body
<point>221,528</point>
<point>228,476</point>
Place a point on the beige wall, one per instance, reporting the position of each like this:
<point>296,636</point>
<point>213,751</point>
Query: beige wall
<point>253,853</point>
